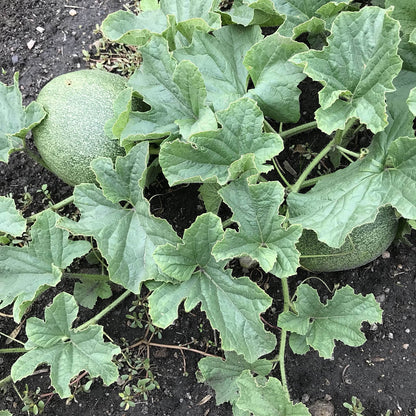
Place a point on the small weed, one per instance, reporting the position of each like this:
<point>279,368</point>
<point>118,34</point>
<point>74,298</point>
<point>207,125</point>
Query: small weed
<point>355,408</point>
<point>31,400</point>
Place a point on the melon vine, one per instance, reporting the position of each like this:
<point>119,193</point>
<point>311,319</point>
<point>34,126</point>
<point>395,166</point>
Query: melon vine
<point>211,102</point>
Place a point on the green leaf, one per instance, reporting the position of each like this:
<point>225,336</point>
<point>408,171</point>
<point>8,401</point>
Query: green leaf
<point>149,5</point>
<point>384,177</point>
<point>339,319</point>
<point>301,13</point>
<point>253,12</point>
<point>191,16</point>
<point>222,155</point>
<point>89,290</point>
<point>67,351</point>
<point>261,235</point>
<point>11,220</point>
<point>15,120</point>
<point>209,194</point>
<point>275,78</point>
<point>262,398</point>
<point>219,57</point>
<point>233,306</point>
<point>5,413</point>
<point>28,271</point>
<point>356,68</point>
<point>129,28</point>
<point>119,218</point>
<point>222,375</point>
<point>176,93</point>
<point>404,11</point>
<point>412,101</point>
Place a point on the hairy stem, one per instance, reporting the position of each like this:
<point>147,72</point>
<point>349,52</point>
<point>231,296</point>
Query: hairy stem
<point>12,350</point>
<point>291,132</point>
<point>348,152</point>
<point>104,312</point>
<point>283,336</point>
<point>54,207</point>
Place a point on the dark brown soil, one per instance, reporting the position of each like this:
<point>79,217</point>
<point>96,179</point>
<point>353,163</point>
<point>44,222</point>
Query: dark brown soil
<point>380,373</point>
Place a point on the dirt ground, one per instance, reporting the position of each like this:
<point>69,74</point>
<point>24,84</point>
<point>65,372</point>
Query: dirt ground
<point>45,38</point>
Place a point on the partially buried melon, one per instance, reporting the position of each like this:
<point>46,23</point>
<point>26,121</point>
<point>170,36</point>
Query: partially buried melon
<point>362,245</point>
<point>78,104</point>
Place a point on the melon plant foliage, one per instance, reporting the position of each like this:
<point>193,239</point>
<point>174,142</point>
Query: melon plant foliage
<point>209,90</point>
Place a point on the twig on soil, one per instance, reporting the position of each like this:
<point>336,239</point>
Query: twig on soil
<point>173,347</point>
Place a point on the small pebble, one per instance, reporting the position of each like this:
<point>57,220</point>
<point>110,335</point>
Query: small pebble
<point>72,12</point>
<point>407,330</point>
<point>391,336</point>
<point>31,44</point>
<point>405,346</point>
<point>386,255</point>
<point>40,29</point>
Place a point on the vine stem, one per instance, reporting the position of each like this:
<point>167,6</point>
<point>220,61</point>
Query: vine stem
<point>12,350</point>
<point>283,336</point>
<point>104,312</point>
<point>291,132</point>
<point>54,207</point>
<point>5,381</point>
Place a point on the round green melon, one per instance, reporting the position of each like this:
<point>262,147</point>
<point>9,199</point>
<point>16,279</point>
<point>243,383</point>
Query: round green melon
<point>77,104</point>
<point>362,245</point>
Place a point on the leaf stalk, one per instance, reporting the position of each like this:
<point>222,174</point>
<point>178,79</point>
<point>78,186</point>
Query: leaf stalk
<point>104,312</point>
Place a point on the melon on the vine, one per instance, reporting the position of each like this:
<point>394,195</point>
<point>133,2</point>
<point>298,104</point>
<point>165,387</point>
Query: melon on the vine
<point>78,104</point>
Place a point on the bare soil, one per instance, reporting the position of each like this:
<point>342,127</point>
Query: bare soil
<point>44,38</point>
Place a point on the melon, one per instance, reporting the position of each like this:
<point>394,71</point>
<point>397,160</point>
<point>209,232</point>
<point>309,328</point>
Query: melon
<point>78,104</point>
<point>362,245</point>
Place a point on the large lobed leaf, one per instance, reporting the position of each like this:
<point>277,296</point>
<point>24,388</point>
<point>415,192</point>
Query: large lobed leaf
<point>356,68</point>
<point>126,236</point>
<point>275,78</point>
<point>261,235</point>
<point>224,154</point>
<point>167,18</point>
<point>15,120</point>
<point>253,12</point>
<point>261,397</point>
<point>233,306</point>
<point>219,57</point>
<point>307,15</point>
<point>352,196</point>
<point>222,375</point>
<point>176,93</point>
<point>67,351</point>
<point>318,325</point>
<point>28,271</point>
